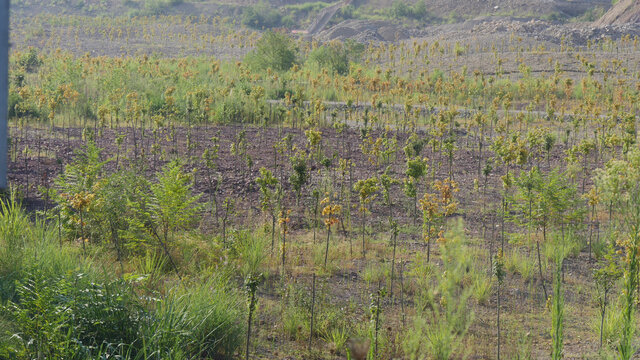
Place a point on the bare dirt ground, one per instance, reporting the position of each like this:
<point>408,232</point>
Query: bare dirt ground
<point>39,155</point>
<point>624,12</point>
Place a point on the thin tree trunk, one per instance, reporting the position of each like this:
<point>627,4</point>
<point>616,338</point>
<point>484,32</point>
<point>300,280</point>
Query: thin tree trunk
<point>604,309</point>
<point>326,250</point>
<point>364,222</point>
<point>249,325</point>
<point>498,309</point>
<point>393,264</point>
<point>313,302</point>
<point>284,249</point>
<point>544,288</point>
<point>429,242</point>
<point>402,294</point>
<point>273,231</point>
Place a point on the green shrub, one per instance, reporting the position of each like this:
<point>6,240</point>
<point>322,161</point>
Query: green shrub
<point>30,60</point>
<point>74,192</point>
<point>54,306</point>
<point>41,319</point>
<point>231,109</point>
<point>331,58</point>
<point>335,57</point>
<point>262,16</point>
<point>154,7</point>
<point>123,208</point>
<point>418,11</point>
<point>105,313</point>
<point>173,206</point>
<point>115,213</point>
<point>274,51</point>
<point>70,316</point>
<point>20,108</point>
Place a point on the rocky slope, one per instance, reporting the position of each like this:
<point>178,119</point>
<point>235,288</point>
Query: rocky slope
<point>624,12</point>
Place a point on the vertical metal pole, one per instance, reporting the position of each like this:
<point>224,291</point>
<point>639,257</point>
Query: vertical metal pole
<point>4,89</point>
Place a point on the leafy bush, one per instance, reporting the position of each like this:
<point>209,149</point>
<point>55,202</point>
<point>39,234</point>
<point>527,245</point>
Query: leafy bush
<point>274,51</point>
<point>158,6</point>
<point>173,205</point>
<point>115,212</point>
<point>262,16</point>
<point>30,60</point>
<point>336,56</point>
<point>231,109</point>
<point>69,316</point>
<point>72,317</point>
<point>418,11</point>
<point>42,320</point>
<point>104,313</point>
<point>57,308</point>
<point>75,190</point>
<point>331,58</point>
<point>122,208</point>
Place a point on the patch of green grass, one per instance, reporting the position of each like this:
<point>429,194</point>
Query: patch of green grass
<point>516,261</point>
<point>482,287</point>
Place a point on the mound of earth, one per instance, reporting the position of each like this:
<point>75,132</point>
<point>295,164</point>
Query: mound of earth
<point>468,9</point>
<point>624,12</point>
<point>487,31</point>
<point>496,25</point>
<point>363,31</point>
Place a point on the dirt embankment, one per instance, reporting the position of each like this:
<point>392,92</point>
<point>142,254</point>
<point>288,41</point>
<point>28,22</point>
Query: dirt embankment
<point>624,12</point>
<point>363,31</point>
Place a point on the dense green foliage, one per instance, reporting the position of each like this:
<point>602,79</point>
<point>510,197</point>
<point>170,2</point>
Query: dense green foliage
<point>262,16</point>
<point>401,9</point>
<point>55,306</point>
<point>275,51</point>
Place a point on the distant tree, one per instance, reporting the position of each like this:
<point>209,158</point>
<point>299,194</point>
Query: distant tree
<point>336,56</point>
<point>367,190</point>
<point>275,51</point>
<point>262,16</point>
<point>418,11</point>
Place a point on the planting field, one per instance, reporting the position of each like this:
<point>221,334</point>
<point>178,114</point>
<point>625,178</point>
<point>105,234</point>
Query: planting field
<point>194,187</point>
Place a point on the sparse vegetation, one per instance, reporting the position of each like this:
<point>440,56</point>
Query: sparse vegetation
<point>172,204</point>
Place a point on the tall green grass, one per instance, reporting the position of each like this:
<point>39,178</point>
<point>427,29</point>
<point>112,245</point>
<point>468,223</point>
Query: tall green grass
<point>195,322</point>
<point>25,245</point>
<point>55,304</point>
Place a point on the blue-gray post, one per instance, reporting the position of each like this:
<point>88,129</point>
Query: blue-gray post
<point>4,89</point>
